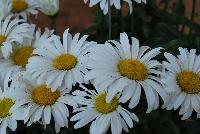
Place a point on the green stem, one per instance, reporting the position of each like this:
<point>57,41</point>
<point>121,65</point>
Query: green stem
<point>109,21</point>
<point>53,22</point>
<point>193,14</point>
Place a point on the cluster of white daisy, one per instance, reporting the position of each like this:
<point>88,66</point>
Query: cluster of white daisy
<point>38,72</point>
<point>104,5</point>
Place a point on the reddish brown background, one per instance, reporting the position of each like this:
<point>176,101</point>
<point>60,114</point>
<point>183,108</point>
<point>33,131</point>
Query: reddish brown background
<point>76,15</point>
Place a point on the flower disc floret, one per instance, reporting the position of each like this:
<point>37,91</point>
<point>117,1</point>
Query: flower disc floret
<point>133,69</point>
<point>5,106</point>
<point>19,6</point>
<point>43,96</point>
<point>103,107</point>
<point>2,39</point>
<point>65,62</point>
<point>20,57</point>
<point>189,82</point>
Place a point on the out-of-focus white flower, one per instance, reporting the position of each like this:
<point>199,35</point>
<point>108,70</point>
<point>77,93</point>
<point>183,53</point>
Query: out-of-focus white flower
<point>4,9</point>
<point>11,108</point>
<point>20,54</point>
<point>116,3</point>
<point>49,7</point>
<point>23,8</point>
<point>12,30</point>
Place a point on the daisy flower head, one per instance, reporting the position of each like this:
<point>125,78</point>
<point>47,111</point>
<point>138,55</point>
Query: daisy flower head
<point>11,109</point>
<point>181,80</point>
<point>4,9</point>
<point>60,64</point>
<point>42,103</point>
<point>23,8</point>
<point>127,69</point>
<point>12,30</point>
<point>92,107</point>
<point>116,3</point>
<point>18,59</point>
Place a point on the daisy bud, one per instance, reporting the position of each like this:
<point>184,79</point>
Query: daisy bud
<point>49,7</point>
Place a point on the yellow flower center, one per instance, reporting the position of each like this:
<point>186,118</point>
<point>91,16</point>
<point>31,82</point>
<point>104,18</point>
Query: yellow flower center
<point>189,82</point>
<point>5,106</point>
<point>43,96</point>
<point>20,57</point>
<point>103,107</point>
<point>133,69</point>
<point>19,6</point>
<point>65,62</point>
<point>2,39</point>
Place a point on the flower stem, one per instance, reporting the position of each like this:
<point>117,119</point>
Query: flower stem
<point>53,22</point>
<point>193,13</point>
<point>109,21</point>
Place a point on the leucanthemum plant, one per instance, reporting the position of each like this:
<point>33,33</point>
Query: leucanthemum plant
<point>11,109</point>
<point>181,80</point>
<point>116,3</point>
<point>127,69</point>
<point>43,76</point>
<point>12,30</point>
<point>18,59</point>
<point>60,64</point>
<point>23,8</point>
<point>42,103</point>
<point>92,107</point>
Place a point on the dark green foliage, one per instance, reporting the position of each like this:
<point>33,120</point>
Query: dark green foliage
<point>151,25</point>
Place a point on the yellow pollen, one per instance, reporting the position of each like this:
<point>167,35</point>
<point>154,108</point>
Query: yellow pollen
<point>19,6</point>
<point>43,96</point>
<point>133,69</point>
<point>65,62</point>
<point>20,57</point>
<point>5,106</point>
<point>2,39</point>
<point>189,82</point>
<point>103,107</point>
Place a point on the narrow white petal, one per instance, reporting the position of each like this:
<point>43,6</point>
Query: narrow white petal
<point>47,114</point>
<point>136,97</point>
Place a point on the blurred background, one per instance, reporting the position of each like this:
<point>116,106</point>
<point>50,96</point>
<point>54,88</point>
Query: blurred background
<point>165,23</point>
<point>77,16</point>
<point>74,14</point>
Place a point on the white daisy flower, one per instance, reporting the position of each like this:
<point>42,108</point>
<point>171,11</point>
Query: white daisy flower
<point>21,53</point>
<point>116,3</point>
<point>181,80</point>
<point>4,9</point>
<point>93,108</point>
<point>42,103</point>
<point>12,30</point>
<point>60,64</point>
<point>23,8</point>
<point>11,109</point>
<point>126,69</point>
